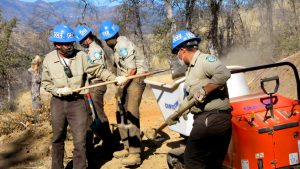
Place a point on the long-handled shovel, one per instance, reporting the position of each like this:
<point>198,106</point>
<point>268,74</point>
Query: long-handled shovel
<point>128,77</point>
<point>95,126</point>
<point>152,134</point>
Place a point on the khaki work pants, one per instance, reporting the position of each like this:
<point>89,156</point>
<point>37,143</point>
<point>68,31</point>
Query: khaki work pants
<point>70,111</point>
<point>97,95</point>
<point>131,100</point>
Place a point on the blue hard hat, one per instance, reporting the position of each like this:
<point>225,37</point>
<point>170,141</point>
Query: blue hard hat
<point>62,33</point>
<point>108,29</point>
<point>183,36</point>
<point>81,32</point>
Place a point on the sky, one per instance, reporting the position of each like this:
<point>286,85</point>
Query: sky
<point>96,2</point>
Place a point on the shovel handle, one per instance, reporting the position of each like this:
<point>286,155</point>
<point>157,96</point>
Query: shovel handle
<point>175,116</point>
<point>114,81</point>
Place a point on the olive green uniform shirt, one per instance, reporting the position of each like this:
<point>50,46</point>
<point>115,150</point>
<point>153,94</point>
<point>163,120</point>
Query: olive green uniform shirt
<point>54,77</point>
<point>128,56</point>
<point>205,69</point>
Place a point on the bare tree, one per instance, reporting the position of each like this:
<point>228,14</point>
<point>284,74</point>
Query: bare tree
<point>170,17</point>
<point>131,18</point>
<point>213,34</point>
<point>189,8</point>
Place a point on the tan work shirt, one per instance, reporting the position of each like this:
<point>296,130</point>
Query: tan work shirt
<point>96,54</point>
<point>128,56</point>
<point>204,69</point>
<point>54,77</point>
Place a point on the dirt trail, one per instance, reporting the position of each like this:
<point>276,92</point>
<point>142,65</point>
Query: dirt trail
<point>31,146</point>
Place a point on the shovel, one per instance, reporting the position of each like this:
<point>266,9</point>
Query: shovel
<point>152,134</point>
<point>95,126</point>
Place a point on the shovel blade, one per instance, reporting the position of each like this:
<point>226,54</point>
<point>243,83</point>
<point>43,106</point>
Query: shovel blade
<point>96,126</point>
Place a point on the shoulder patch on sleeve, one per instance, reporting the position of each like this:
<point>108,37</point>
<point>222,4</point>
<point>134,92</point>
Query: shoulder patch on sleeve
<point>211,58</point>
<point>123,52</point>
<point>98,55</point>
<point>89,59</point>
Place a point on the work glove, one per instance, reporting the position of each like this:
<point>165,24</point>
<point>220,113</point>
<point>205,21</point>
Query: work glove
<point>200,95</point>
<point>66,91</point>
<point>121,80</point>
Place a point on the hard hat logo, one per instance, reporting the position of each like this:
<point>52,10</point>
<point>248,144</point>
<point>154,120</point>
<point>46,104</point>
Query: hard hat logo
<point>57,34</point>
<point>83,32</point>
<point>190,35</point>
<point>70,35</point>
<point>106,33</point>
<point>177,37</point>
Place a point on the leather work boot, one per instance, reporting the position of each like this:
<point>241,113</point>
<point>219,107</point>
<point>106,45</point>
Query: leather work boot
<point>121,154</point>
<point>132,159</point>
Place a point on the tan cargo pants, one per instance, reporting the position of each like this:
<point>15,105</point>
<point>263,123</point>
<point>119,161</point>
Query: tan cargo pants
<point>131,100</point>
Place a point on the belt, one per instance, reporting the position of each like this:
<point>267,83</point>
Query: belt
<point>74,96</point>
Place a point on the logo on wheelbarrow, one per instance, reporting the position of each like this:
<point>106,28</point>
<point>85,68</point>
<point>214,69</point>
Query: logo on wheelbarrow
<point>172,106</point>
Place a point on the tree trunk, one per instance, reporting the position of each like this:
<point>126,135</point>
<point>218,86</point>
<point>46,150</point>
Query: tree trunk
<point>36,76</point>
<point>8,91</point>
<point>139,32</point>
<point>295,17</point>
<point>189,8</point>
<point>269,16</point>
<point>170,17</point>
<point>213,34</point>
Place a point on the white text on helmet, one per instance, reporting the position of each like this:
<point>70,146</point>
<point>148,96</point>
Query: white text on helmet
<point>57,34</point>
<point>190,35</point>
<point>83,32</point>
<point>106,33</point>
<point>176,37</point>
<point>70,35</point>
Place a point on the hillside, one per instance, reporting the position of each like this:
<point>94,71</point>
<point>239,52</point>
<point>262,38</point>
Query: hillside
<point>27,145</point>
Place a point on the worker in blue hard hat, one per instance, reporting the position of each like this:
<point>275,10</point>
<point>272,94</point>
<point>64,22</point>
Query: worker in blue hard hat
<point>129,60</point>
<point>205,81</point>
<point>64,70</point>
<point>93,47</point>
